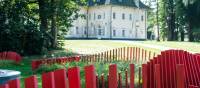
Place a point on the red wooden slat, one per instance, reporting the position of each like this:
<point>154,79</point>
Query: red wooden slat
<point>97,81</point>
<point>120,80</point>
<point>132,76</point>
<point>144,76</point>
<point>60,78</point>
<point>113,82</point>
<point>31,82</point>
<point>90,76</point>
<point>74,77</point>
<point>102,81</point>
<point>180,77</point>
<point>48,80</point>
<point>14,83</point>
<point>126,77</point>
<point>4,86</point>
<point>157,76</point>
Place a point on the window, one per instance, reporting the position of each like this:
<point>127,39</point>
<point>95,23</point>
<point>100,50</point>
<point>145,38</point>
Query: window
<point>89,16</point>
<point>104,15</point>
<point>130,17</point>
<point>123,33</point>
<point>99,31</point>
<point>94,16</point>
<point>99,16</point>
<point>114,15</point>
<point>77,32</point>
<point>120,0</point>
<point>123,16</point>
<point>114,32</point>
<point>85,31</point>
<point>142,18</point>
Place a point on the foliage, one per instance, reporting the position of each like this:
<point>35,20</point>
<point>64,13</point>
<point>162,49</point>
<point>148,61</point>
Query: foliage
<point>178,18</point>
<point>26,26</point>
<point>48,68</point>
<point>6,63</point>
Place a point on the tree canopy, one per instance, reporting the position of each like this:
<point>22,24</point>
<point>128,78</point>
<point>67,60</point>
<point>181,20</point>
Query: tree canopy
<point>33,26</point>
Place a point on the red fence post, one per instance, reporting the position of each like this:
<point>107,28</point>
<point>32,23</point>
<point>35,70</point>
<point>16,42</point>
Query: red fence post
<point>132,77</point>
<point>97,81</point>
<point>4,86</point>
<point>90,77</point>
<point>74,77</point>
<point>157,76</point>
<point>113,82</point>
<point>144,76</point>
<point>126,81</point>
<point>180,76</point>
<point>60,78</point>
<point>120,80</point>
<point>102,81</point>
<point>14,83</point>
<point>48,80</point>
<point>31,82</point>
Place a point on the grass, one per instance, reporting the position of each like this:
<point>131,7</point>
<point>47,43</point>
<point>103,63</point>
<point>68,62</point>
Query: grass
<point>101,68</point>
<point>189,46</point>
<point>96,46</point>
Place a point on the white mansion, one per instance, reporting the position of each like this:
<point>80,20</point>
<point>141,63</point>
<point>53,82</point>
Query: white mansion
<point>111,19</point>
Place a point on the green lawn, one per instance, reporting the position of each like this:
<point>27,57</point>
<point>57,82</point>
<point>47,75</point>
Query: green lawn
<point>92,46</point>
<point>189,46</point>
<point>95,46</point>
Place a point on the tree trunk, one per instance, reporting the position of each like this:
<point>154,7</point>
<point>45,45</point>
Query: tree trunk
<point>53,24</point>
<point>190,33</point>
<point>182,36</point>
<point>43,16</point>
<point>44,22</point>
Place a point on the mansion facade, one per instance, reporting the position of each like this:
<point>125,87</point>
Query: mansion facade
<point>111,19</point>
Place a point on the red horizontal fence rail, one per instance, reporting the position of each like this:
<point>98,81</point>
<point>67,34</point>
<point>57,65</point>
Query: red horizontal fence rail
<point>36,63</point>
<point>10,56</point>
<point>172,69</point>
<point>70,78</point>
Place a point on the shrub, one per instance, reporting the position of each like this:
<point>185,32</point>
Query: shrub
<point>6,63</point>
<point>48,68</point>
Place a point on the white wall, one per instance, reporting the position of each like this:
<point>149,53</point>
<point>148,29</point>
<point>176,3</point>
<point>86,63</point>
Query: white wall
<point>109,24</point>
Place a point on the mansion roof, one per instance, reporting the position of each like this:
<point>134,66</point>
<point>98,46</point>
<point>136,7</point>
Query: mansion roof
<point>131,3</point>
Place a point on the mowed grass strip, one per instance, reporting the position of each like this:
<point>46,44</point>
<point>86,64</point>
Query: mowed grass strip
<point>189,46</point>
<point>97,46</point>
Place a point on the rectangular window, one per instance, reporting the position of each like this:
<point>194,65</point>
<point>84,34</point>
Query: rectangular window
<point>142,18</point>
<point>123,16</point>
<point>77,32</point>
<point>94,16</point>
<point>104,15</point>
<point>114,15</point>
<point>85,31</point>
<point>123,33</point>
<point>99,32</point>
<point>114,32</point>
<point>89,16</point>
<point>99,16</point>
<point>130,17</point>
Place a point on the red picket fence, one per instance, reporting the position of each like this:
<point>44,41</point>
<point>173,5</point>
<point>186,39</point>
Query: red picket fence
<point>172,69</point>
<point>136,54</point>
<point>10,56</point>
<point>36,63</point>
<point>71,79</point>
